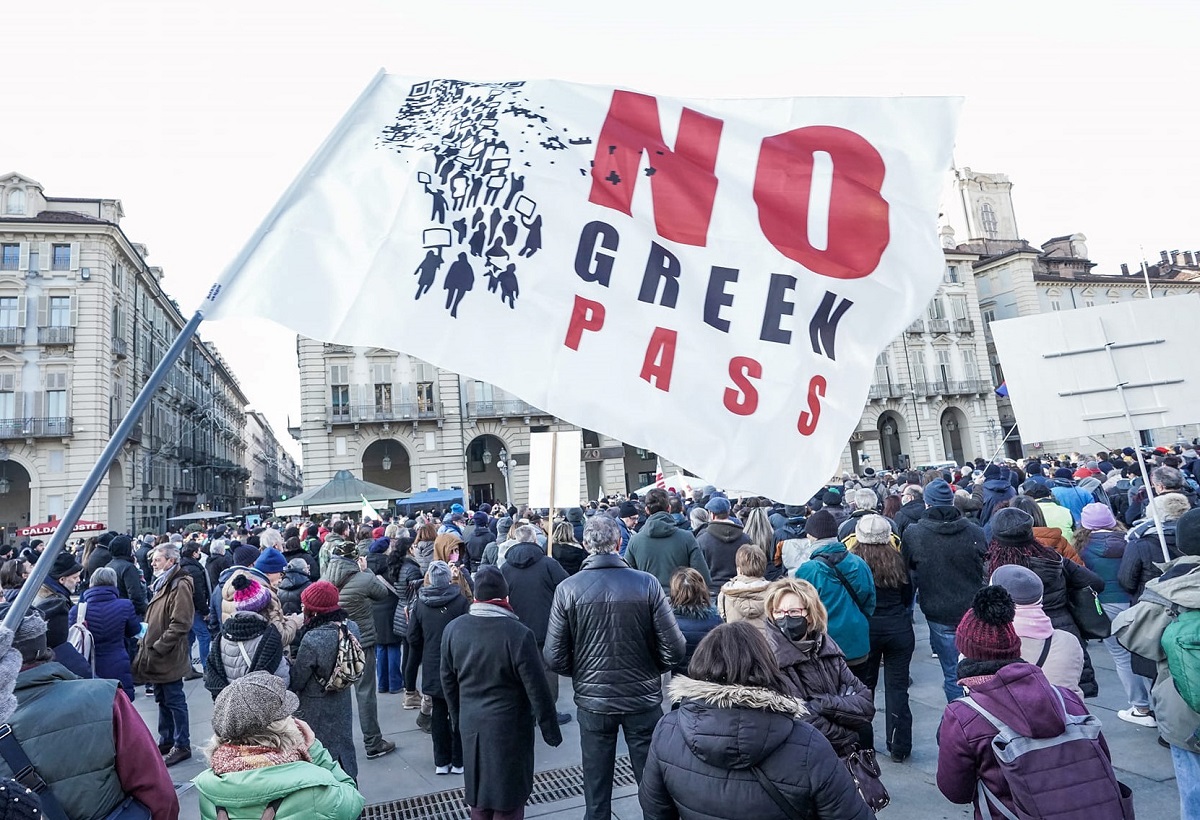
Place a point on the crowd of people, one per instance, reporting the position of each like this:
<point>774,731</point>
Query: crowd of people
<point>763,627</point>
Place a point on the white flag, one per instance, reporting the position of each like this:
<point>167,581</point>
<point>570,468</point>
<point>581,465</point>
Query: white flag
<point>708,279</point>
<point>368,512</point>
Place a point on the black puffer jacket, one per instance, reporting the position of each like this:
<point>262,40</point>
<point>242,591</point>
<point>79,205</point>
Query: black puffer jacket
<point>945,554</point>
<point>719,543</point>
<point>838,703</point>
<point>291,587</point>
<point>532,579</point>
<point>477,541</point>
<point>314,566</point>
<point>909,514</point>
<point>569,556</point>
<point>611,629</point>
<point>1142,552</point>
<point>384,609</point>
<point>434,609</point>
<point>702,753</point>
<point>200,590</point>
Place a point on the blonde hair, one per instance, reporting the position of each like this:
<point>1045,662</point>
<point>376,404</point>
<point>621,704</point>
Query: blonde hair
<point>818,618</point>
<point>283,735</point>
<point>751,561</point>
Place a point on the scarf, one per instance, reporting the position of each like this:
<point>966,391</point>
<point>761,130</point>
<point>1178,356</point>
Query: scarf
<point>973,673</point>
<point>1031,621</point>
<point>495,608</point>
<point>161,580</point>
<point>230,758</point>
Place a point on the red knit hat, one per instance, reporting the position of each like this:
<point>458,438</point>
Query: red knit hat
<point>986,632</point>
<point>320,597</point>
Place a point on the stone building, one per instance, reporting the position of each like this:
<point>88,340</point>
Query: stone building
<point>274,474</point>
<point>83,322</point>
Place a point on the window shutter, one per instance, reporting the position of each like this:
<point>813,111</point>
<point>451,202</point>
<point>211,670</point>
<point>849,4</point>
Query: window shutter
<point>44,256</point>
<point>21,311</point>
<point>8,382</point>
<point>74,256</point>
<point>43,310</point>
<point>24,254</point>
<point>74,320</point>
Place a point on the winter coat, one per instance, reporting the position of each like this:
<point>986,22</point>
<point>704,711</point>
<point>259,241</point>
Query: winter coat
<point>612,631</point>
<point>199,582</point>
<point>660,547</point>
<point>1139,629</point>
<point>1102,555</point>
<point>1072,497</point>
<point>532,578</point>
<point>1019,695</point>
<point>423,552</point>
<point>1053,538</point>
<point>332,542</point>
<point>995,490</point>
<point>225,607</point>
<point>358,591</point>
<point>330,714</point>
<point>1142,555</point>
<point>1057,515</point>
<point>130,584</point>
<point>291,587</point>
<point>494,683</point>
<point>909,514</point>
<point>407,586</point>
<point>945,554</point>
<point>163,654</point>
<point>849,623</point>
<point>744,599</point>
<point>111,620</point>
<point>694,623</point>
<point>840,512</point>
<point>54,602</point>
<point>702,754</point>
<point>383,610</point>
<point>435,608</point>
<point>838,703</point>
<point>252,634</point>
<point>569,556</point>
<point>314,565</point>
<point>100,557</point>
<point>719,544</point>
<point>1064,662</point>
<point>316,790</point>
<point>1059,577</point>
<point>477,541</point>
<point>215,566</point>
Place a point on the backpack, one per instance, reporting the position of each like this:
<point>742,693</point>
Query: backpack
<point>80,636</point>
<point>1181,645</point>
<point>349,664</point>
<point>1039,770</point>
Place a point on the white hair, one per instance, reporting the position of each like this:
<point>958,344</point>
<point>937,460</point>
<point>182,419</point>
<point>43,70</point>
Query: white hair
<point>865,499</point>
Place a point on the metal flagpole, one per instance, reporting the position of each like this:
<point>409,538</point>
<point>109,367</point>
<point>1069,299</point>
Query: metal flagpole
<point>41,569</point>
<point>1002,441</point>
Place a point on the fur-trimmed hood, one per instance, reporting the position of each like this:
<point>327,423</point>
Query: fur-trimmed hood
<point>733,727</point>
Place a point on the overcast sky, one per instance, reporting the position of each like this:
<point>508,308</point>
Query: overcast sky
<point>198,115</point>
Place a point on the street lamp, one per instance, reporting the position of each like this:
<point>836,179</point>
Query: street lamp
<point>487,456</point>
<point>387,459</point>
<point>505,466</point>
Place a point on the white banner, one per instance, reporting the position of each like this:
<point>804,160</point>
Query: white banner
<point>709,279</point>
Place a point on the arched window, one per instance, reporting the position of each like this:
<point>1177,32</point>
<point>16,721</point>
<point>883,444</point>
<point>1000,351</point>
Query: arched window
<point>15,204</point>
<point>991,227</point>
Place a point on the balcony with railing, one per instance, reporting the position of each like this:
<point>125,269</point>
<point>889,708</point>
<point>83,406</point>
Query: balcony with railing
<point>11,336</point>
<point>916,327</point>
<point>891,390</point>
<point>964,326</point>
<point>950,387</point>
<point>939,325</point>
<point>55,335</point>
<point>35,428</point>
<point>120,347</point>
<point>369,413</point>
<point>501,409</point>
<point>135,434</point>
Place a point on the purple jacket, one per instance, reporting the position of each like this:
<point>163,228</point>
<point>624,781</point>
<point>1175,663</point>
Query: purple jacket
<point>1019,695</point>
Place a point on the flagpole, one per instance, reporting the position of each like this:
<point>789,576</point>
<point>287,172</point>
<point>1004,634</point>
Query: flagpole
<point>41,569</point>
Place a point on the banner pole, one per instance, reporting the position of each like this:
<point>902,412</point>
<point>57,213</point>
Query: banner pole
<point>553,479</point>
<point>1002,442</point>
<point>41,569</point>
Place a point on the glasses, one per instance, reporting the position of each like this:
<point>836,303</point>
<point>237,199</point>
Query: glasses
<point>793,613</point>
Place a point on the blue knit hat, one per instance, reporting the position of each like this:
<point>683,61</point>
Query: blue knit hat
<point>270,561</point>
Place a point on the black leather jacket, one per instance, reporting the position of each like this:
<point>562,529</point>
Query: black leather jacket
<point>611,629</point>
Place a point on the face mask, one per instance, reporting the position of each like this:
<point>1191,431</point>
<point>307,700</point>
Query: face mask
<point>795,628</point>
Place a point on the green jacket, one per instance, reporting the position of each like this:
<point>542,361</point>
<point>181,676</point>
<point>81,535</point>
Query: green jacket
<point>311,791</point>
<point>358,590</point>
<point>1139,629</point>
<point>660,547</point>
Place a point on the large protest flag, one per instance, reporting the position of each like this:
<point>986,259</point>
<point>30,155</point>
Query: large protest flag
<point>710,279</point>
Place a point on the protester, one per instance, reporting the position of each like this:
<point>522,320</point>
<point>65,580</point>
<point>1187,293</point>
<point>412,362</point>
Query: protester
<point>189,562</point>
<point>567,550</point>
<point>531,578</point>
<point>719,544</point>
<point>389,654</point>
<point>660,547</point>
<point>12,577</point>
<point>761,532</point>
<point>53,600</point>
<point>743,598</point>
<point>617,683</point>
<point>912,507</point>
<point>439,602</point>
<point>1056,652</point>
<point>330,713</point>
<point>945,555</point>
<point>163,656</point>
<point>219,560</point>
<point>1052,537</point>
<point>693,611</point>
<point>892,640</point>
<point>1018,694</point>
<point>738,720</point>
<point>1140,630</point>
<point>478,538</point>
<point>112,622</point>
<point>247,642</point>
<point>1143,551</point>
<point>130,582</point>
<point>111,753</point>
<point>423,546</point>
<point>295,580</point>
<point>495,686</point>
<point>263,758</point>
<point>448,548</point>
<point>813,665</point>
<point>407,581</point>
<point>358,591</point>
<point>820,530</point>
<point>293,550</point>
<point>844,583</point>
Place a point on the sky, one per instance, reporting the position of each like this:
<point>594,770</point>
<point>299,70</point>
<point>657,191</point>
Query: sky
<point>198,115</point>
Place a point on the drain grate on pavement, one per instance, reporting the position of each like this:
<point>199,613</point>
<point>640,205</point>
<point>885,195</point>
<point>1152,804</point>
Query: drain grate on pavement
<point>549,786</point>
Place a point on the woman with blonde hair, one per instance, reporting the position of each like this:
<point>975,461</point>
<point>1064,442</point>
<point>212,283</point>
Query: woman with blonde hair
<point>815,668</point>
<point>566,550</point>
<point>744,596</point>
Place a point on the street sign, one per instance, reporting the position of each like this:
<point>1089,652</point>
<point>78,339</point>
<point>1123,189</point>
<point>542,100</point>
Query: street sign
<point>601,453</point>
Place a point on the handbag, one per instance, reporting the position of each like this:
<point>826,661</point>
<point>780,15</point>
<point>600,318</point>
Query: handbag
<point>1088,614</point>
<point>864,768</point>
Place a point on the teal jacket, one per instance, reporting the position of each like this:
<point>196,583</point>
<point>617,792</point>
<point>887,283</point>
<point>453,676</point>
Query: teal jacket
<point>848,622</point>
<point>319,790</point>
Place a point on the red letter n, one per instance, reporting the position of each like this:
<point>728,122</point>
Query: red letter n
<point>682,182</point>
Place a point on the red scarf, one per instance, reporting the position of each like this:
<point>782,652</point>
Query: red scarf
<point>230,758</point>
<point>500,602</point>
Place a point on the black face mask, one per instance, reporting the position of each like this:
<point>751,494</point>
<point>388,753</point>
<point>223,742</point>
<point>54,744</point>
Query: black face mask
<point>794,628</point>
